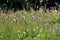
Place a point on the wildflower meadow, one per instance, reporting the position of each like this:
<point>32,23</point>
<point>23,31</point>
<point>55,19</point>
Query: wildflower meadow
<point>30,25</point>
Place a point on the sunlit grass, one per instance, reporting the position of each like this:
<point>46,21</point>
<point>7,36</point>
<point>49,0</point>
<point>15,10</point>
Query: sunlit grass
<point>30,26</point>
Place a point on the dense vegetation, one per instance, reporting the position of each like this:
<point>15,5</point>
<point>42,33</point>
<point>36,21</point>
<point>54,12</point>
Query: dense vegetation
<point>23,25</point>
<point>42,24</point>
<point>20,4</point>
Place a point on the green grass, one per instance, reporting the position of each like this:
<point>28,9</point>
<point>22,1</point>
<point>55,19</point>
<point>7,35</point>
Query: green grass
<point>46,27</point>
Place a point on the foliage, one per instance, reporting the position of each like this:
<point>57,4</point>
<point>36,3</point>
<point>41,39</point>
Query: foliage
<point>23,25</point>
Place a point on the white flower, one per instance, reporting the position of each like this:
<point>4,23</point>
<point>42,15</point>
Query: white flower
<point>55,10</point>
<point>23,17</point>
<point>0,8</point>
<point>41,0</point>
<point>24,34</point>
<point>7,1</point>
<point>14,19</point>
<point>33,29</point>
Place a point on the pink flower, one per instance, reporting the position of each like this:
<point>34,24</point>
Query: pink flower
<point>1,12</point>
<point>59,10</point>
<point>41,10</point>
<point>16,21</point>
<point>51,11</point>
<point>10,11</point>
<point>37,11</point>
<point>36,18</point>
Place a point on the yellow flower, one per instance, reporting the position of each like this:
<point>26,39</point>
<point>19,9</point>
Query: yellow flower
<point>35,38</point>
<point>18,31</point>
<point>21,28</point>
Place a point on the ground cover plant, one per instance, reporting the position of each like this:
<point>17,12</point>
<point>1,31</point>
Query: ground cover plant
<point>32,25</point>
